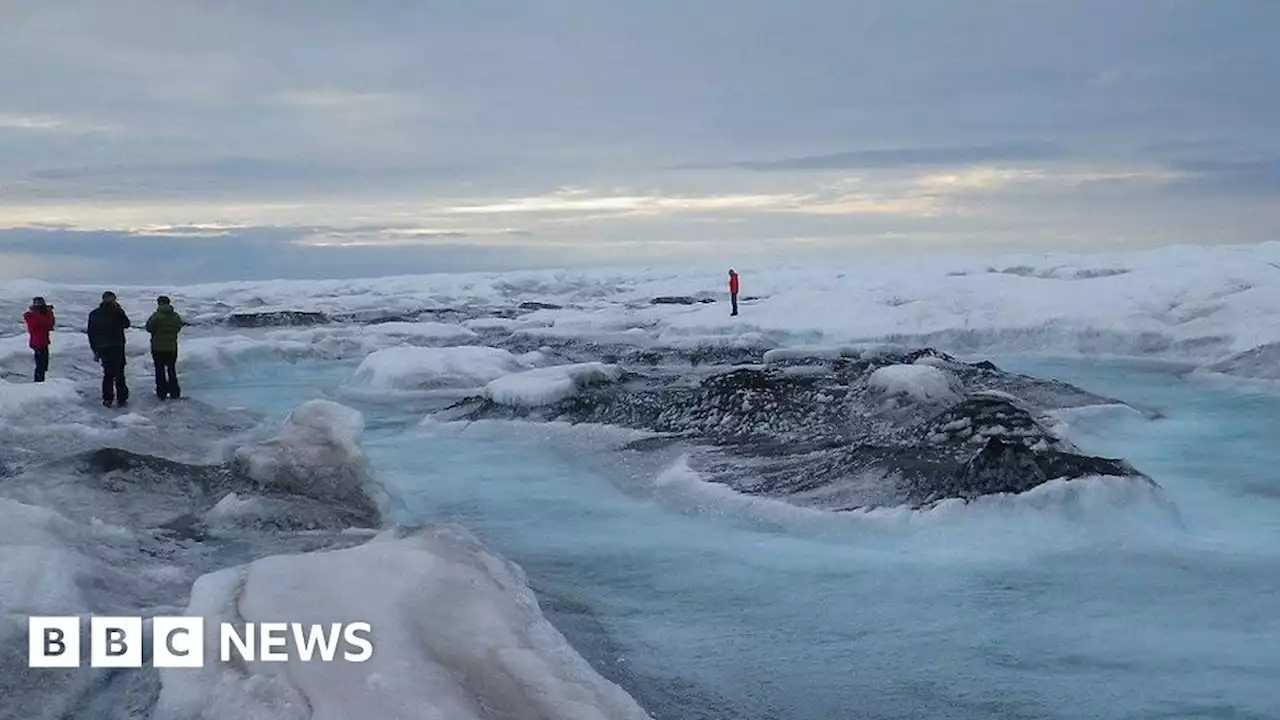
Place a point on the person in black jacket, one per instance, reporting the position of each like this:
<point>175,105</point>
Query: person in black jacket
<point>107,324</point>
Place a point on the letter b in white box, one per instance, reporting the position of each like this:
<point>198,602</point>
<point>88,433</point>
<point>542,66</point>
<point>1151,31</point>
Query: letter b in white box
<point>53,642</point>
<point>177,642</point>
<point>115,642</point>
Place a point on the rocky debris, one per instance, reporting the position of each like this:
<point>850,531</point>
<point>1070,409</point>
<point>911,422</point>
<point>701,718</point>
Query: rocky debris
<point>137,490</point>
<point>531,306</point>
<point>277,318</point>
<point>680,300</point>
<point>822,430</point>
<point>1002,466</point>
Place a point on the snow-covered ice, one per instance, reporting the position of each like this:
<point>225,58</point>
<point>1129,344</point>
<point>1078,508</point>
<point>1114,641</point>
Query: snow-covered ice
<point>422,368</point>
<point>921,383</point>
<point>456,633</point>
<point>1200,305</point>
<point>544,386</point>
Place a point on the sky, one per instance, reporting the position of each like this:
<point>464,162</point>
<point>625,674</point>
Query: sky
<point>184,140</point>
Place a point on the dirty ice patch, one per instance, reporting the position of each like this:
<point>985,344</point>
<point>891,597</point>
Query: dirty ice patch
<point>1261,363</point>
<point>921,383</point>
<point>317,455</point>
<point>633,336</point>
<point>545,386</point>
<point>423,368</point>
<point>456,632</point>
<point>495,324</point>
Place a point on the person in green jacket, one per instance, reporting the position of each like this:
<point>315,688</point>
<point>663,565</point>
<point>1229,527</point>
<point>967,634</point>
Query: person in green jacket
<point>164,325</point>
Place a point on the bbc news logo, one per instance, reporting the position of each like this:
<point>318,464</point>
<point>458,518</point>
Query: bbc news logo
<point>179,642</point>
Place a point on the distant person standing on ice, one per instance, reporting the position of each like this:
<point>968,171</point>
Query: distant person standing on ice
<point>733,291</point>
<point>40,322</point>
<point>164,325</point>
<point>107,324</point>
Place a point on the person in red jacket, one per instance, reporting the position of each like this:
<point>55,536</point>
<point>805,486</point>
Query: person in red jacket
<point>733,291</point>
<point>40,322</point>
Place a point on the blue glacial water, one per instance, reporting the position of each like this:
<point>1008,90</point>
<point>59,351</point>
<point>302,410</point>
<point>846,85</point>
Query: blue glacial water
<point>706,606</point>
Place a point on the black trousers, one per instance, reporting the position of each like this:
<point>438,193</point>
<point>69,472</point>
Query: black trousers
<point>733,297</point>
<point>114,386</point>
<point>42,363</point>
<point>166,374</point>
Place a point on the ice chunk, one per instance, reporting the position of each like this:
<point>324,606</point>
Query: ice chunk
<point>456,633</point>
<point>419,368</point>
<point>133,420</point>
<point>922,383</point>
<point>232,508</point>
<point>316,455</point>
<point>545,386</point>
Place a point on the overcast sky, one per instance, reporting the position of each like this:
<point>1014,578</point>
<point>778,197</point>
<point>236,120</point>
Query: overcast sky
<point>225,139</point>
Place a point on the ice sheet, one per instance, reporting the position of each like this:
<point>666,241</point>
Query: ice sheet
<point>1197,304</point>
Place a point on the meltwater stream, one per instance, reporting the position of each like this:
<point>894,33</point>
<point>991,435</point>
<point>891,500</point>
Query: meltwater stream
<point>1073,604</point>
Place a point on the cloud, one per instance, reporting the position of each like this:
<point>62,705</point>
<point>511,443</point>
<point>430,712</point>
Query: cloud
<point>116,259</point>
<point>343,127</point>
<point>913,157</point>
<point>49,124</point>
<point>336,99</point>
<point>1232,177</point>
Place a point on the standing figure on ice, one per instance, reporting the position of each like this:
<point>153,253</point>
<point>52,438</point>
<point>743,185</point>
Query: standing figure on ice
<point>40,322</point>
<point>107,324</point>
<point>164,325</point>
<point>733,290</point>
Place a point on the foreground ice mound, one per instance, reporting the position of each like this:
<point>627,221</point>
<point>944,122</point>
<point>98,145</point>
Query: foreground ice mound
<point>316,455</point>
<point>546,386</point>
<point>457,634</point>
<point>419,368</point>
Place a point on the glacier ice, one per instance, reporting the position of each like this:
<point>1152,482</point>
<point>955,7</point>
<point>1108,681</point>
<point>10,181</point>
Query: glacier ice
<point>1084,598</point>
<point>457,634</point>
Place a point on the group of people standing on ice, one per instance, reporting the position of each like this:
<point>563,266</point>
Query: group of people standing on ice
<point>106,327</point>
<point>106,331</point>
